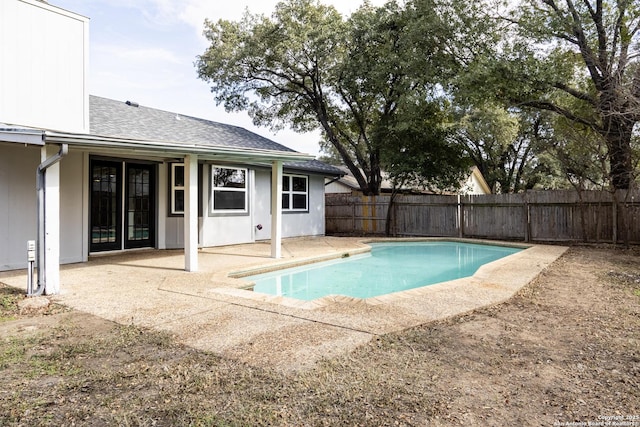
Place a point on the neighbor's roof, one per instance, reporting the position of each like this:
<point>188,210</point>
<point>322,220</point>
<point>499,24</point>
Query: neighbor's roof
<point>349,181</point>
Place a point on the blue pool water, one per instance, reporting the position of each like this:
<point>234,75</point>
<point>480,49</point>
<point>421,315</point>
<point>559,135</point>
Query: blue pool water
<point>389,267</point>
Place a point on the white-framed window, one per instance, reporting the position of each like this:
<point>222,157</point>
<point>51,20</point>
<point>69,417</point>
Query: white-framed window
<point>295,193</point>
<point>229,190</point>
<point>177,189</point>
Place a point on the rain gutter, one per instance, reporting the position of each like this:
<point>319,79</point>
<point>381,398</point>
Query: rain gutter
<point>95,141</point>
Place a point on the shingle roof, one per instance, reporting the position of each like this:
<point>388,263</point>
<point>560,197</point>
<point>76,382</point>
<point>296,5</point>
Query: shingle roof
<point>117,119</point>
<point>121,120</point>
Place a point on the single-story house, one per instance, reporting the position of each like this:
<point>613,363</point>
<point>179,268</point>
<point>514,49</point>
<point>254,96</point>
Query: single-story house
<point>82,175</point>
<point>146,178</point>
<point>473,184</point>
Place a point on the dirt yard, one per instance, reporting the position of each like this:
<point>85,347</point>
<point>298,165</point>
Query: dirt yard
<point>564,352</point>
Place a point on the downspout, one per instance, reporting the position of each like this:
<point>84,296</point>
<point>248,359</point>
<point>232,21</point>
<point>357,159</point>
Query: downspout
<point>41,231</point>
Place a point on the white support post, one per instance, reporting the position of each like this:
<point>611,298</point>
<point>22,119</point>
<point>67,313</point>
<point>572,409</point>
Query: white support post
<point>52,221</point>
<point>276,209</point>
<point>191,212</point>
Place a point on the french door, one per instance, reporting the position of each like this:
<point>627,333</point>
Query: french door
<point>122,197</point>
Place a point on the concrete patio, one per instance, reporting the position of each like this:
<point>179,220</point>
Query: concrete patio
<point>211,311</point>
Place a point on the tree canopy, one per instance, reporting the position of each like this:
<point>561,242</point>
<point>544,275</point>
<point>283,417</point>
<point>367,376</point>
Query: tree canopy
<point>307,67</point>
<point>580,60</point>
<point>421,87</point>
<point>503,145</point>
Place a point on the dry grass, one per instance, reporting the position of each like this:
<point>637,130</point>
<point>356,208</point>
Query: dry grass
<point>565,349</point>
<point>9,298</point>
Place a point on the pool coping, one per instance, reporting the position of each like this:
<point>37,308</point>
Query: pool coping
<point>151,290</point>
<point>486,277</point>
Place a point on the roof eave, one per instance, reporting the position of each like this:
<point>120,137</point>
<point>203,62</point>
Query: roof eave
<point>162,147</point>
<point>325,173</point>
<point>22,136</point>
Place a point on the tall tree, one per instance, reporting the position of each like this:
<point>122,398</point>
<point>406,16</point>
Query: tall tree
<point>504,145</point>
<point>306,67</point>
<point>602,91</point>
<point>419,152</point>
<point>581,154</point>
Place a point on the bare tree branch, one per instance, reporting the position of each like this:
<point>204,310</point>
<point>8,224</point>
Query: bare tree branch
<point>583,44</point>
<point>575,93</point>
<point>548,106</point>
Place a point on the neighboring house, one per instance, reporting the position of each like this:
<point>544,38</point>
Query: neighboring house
<point>117,176</point>
<point>474,184</point>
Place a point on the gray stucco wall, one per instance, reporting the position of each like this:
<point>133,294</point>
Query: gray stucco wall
<point>17,203</point>
<point>18,207</point>
<point>310,223</point>
<point>73,199</point>
<point>216,230</point>
<point>294,224</point>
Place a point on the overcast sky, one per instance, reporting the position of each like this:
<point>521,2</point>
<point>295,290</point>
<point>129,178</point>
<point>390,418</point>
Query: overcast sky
<point>144,50</point>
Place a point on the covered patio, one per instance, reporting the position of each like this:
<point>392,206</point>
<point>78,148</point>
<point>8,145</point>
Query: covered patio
<point>212,311</point>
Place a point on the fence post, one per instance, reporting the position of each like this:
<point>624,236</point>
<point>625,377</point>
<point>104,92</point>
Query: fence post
<point>374,220</point>
<point>614,226</point>
<point>460,217</point>
<point>354,203</point>
<point>527,219</point>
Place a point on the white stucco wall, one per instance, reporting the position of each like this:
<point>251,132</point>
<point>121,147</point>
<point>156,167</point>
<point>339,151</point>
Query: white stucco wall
<point>44,51</point>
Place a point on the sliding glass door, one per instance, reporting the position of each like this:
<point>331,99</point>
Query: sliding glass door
<point>106,206</point>
<point>139,211</point>
<point>115,219</point>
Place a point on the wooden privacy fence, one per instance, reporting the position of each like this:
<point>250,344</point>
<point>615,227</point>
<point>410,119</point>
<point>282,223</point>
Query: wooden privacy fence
<point>534,216</point>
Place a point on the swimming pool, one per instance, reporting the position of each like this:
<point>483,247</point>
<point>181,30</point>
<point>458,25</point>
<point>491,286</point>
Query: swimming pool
<point>389,267</point>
